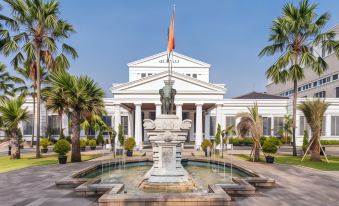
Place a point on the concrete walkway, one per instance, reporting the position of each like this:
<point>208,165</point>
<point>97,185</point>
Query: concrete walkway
<point>295,186</point>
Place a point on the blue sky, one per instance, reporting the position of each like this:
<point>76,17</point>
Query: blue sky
<point>226,34</point>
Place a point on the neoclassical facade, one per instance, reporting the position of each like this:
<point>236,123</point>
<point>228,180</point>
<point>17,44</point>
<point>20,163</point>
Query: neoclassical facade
<point>197,99</point>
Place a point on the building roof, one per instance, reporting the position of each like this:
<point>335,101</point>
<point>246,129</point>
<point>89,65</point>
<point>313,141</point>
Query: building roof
<point>259,95</point>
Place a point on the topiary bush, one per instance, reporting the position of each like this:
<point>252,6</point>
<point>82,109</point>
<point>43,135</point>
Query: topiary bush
<point>205,144</point>
<point>100,138</point>
<point>44,143</point>
<point>92,142</point>
<point>329,142</point>
<point>129,144</point>
<point>262,140</point>
<point>61,147</point>
<point>275,140</point>
<point>236,141</point>
<point>270,146</point>
<point>83,142</point>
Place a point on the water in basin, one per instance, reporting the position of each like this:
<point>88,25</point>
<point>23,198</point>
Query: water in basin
<point>202,174</point>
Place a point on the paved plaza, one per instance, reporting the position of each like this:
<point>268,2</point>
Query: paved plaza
<point>294,186</point>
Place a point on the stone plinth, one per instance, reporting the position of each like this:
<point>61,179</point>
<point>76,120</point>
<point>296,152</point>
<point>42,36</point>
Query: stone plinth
<point>167,135</point>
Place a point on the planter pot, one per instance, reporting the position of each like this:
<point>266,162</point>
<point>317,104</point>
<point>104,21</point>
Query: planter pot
<point>93,147</point>
<point>62,159</point>
<point>129,153</point>
<point>270,159</point>
<point>119,151</point>
<point>44,150</point>
<point>83,149</point>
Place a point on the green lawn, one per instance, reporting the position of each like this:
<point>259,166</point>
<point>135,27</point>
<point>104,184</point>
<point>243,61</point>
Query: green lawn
<point>333,164</point>
<point>29,160</point>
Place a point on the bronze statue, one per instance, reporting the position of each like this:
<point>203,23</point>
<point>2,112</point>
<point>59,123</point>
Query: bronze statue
<point>167,94</point>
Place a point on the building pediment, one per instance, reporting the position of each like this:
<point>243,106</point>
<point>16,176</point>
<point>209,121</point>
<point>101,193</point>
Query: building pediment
<point>182,83</point>
<point>160,60</point>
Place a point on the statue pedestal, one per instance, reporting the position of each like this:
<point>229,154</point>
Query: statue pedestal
<point>167,135</point>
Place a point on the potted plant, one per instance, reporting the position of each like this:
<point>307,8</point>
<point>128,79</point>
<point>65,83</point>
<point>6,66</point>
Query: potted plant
<point>206,143</point>
<point>270,147</point>
<point>92,143</point>
<point>44,142</point>
<point>61,147</point>
<point>83,143</point>
<point>129,145</point>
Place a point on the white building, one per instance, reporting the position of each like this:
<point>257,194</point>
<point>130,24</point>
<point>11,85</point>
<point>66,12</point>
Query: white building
<point>197,99</point>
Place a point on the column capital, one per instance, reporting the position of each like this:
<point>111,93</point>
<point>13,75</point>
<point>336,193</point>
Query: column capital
<point>179,104</point>
<point>198,104</point>
<point>137,104</point>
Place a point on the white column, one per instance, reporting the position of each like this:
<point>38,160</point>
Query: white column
<point>218,116</point>
<point>157,110</point>
<point>328,125</point>
<point>272,126</point>
<point>117,121</point>
<point>65,124</point>
<point>179,111</point>
<point>130,124</point>
<point>138,126</point>
<point>207,124</point>
<point>198,132</point>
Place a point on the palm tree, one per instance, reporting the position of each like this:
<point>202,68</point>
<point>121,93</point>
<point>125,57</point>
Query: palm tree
<point>8,84</point>
<point>251,121</point>
<point>294,35</point>
<point>38,31</point>
<point>11,114</point>
<point>83,97</point>
<point>29,73</point>
<point>228,132</point>
<point>286,129</point>
<point>314,112</point>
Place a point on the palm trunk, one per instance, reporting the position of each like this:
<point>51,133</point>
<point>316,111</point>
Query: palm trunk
<point>15,146</point>
<point>256,151</point>
<point>38,95</point>
<point>315,148</point>
<point>33,128</point>
<point>76,155</point>
<point>295,96</point>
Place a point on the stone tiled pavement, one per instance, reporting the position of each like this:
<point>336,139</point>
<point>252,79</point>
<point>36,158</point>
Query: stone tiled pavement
<point>295,186</point>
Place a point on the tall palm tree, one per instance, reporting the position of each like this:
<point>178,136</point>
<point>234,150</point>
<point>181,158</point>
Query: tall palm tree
<point>83,98</point>
<point>314,112</point>
<point>251,121</point>
<point>294,35</point>
<point>38,32</point>
<point>29,73</point>
<point>11,114</point>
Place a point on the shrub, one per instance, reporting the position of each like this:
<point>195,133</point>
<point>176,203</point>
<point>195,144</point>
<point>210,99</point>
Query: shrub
<point>92,142</point>
<point>61,147</point>
<point>129,144</point>
<point>44,142</point>
<point>236,141</point>
<point>329,142</point>
<point>247,141</point>
<point>270,146</point>
<point>275,140</point>
<point>262,140</point>
<point>305,141</point>
<point>100,138</point>
<point>83,142</point>
<point>121,137</point>
<point>205,144</point>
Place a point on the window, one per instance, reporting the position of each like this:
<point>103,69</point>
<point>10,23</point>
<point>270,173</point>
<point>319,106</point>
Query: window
<point>212,125</point>
<point>230,120</point>
<point>188,75</point>
<point>323,53</point>
<point>108,122</point>
<point>335,125</point>
<point>315,84</point>
<point>28,125</point>
<point>299,89</point>
<point>194,75</point>
<point>335,77</point>
<point>278,124</point>
<point>149,74</point>
<point>124,123</point>
<point>302,125</point>
<point>54,124</point>
<point>266,126</point>
<point>143,75</point>
<point>337,92</point>
<point>90,132</point>
<point>321,94</point>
